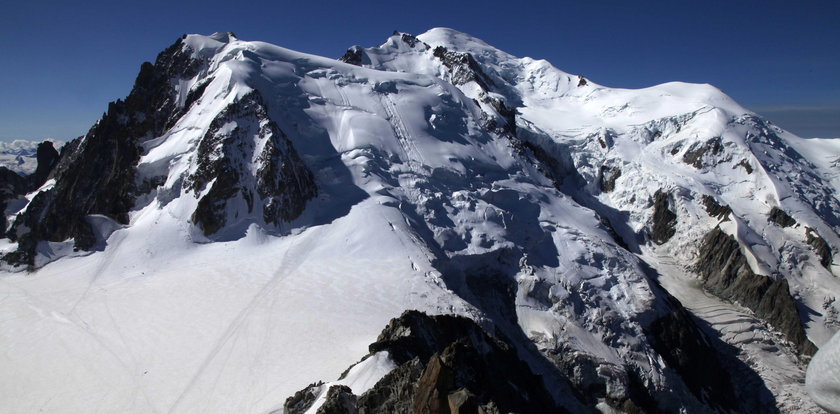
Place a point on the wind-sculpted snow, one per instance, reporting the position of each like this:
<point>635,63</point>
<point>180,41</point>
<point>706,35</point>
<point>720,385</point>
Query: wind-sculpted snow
<point>270,211</point>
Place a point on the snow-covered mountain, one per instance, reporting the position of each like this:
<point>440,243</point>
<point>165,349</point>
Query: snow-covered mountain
<point>248,220</point>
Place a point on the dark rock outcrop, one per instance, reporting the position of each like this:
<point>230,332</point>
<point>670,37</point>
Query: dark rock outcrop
<point>11,186</point>
<point>47,157</point>
<point>820,247</point>
<point>726,274</point>
<point>282,183</point>
<point>303,399</point>
<point>746,166</point>
<point>608,176</point>
<point>463,68</point>
<point>445,361</point>
<point>340,400</point>
<point>664,220</point>
<point>714,208</point>
<point>353,56</point>
<point>696,154</point>
<point>780,217</point>
<point>394,393</point>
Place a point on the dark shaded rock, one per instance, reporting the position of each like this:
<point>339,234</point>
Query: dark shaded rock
<point>282,181</point>
<point>340,400</point>
<point>210,214</point>
<point>418,335</point>
<point>746,166</point>
<point>463,67</point>
<point>695,155</point>
<point>820,247</point>
<point>409,39</point>
<point>581,81</point>
<point>664,220</point>
<point>608,176</point>
<point>47,157</point>
<point>11,186</point>
<point>96,174</point>
<point>507,114</point>
<point>780,217</point>
<point>714,208</point>
<point>353,56</point>
<point>614,234</point>
<point>726,274</point>
<point>394,393</point>
<point>685,348</point>
<point>196,92</point>
<point>303,399</point>
<point>482,372</point>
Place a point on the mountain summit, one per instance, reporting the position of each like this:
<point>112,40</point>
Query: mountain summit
<point>246,222</point>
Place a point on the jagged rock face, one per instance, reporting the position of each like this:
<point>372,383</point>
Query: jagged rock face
<point>240,136</point>
<point>11,185</point>
<point>353,56</point>
<point>97,174</point>
<point>820,247</point>
<point>47,157</point>
<point>448,364</point>
<point>714,208</point>
<point>395,392</point>
<point>780,217</point>
<point>449,361</point>
<point>727,274</point>
<point>696,155</point>
<point>340,400</point>
<point>664,220</point>
<point>464,68</point>
<point>302,400</point>
<point>608,177</point>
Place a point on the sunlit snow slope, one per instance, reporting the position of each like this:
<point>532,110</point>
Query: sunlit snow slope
<point>250,217</point>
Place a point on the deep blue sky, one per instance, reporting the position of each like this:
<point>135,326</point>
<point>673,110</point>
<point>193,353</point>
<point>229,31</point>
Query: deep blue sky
<point>60,63</point>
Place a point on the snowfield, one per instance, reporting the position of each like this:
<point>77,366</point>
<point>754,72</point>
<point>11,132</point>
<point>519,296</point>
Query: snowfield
<point>419,195</point>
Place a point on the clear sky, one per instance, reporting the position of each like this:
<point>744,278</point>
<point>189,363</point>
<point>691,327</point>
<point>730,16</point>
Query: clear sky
<point>61,63</point>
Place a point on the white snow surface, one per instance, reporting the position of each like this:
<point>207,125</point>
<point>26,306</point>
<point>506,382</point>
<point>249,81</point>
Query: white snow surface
<point>414,194</point>
<point>823,378</point>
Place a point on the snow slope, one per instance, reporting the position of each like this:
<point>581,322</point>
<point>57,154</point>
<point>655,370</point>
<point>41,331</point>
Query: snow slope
<point>422,203</point>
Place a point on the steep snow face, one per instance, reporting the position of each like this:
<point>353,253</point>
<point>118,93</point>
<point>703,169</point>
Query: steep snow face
<point>292,204</point>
